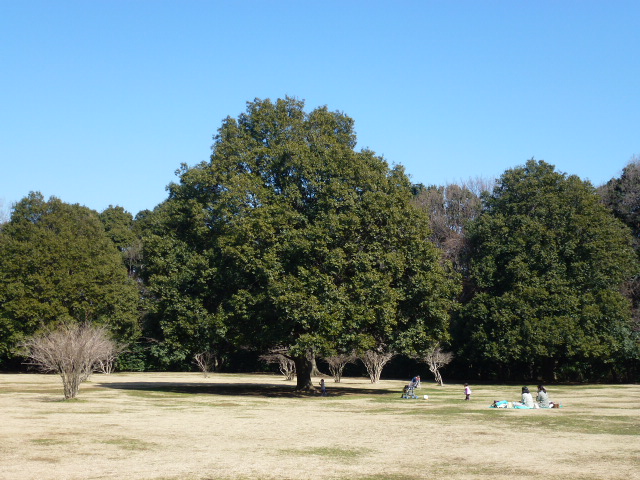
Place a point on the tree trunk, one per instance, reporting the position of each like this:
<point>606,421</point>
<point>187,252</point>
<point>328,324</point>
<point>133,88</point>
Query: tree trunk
<point>315,371</point>
<point>375,362</point>
<point>304,367</point>
<point>70,384</point>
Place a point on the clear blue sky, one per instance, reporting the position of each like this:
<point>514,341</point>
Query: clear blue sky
<point>101,101</point>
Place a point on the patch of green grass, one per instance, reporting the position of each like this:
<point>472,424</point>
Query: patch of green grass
<point>46,441</point>
<point>611,459</point>
<point>563,421</point>
<point>127,443</point>
<point>329,452</point>
<point>376,411</point>
<point>438,411</point>
<point>335,452</point>
<point>391,398</point>
<point>20,390</point>
<point>226,405</point>
<point>150,394</point>
<point>162,399</point>
<point>611,425</point>
<point>65,400</point>
<point>173,406</point>
<point>482,471</point>
<point>99,411</point>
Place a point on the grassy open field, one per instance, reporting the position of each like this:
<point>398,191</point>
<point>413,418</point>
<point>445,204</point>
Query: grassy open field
<point>234,427</point>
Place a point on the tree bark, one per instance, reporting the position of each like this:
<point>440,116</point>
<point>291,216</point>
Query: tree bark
<point>304,367</point>
<point>315,371</point>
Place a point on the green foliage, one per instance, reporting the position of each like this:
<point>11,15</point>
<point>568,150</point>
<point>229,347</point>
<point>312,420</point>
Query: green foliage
<point>548,262</point>
<point>57,265</point>
<point>288,237</point>
<point>182,316</point>
<point>133,359</point>
<point>622,195</point>
<point>118,224</point>
<point>120,227</point>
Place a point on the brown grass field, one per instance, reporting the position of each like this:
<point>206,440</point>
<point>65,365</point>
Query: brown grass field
<point>168,426</point>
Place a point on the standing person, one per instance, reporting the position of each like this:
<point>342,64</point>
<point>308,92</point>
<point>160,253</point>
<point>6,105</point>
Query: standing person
<point>323,388</point>
<point>467,392</point>
<point>542,398</point>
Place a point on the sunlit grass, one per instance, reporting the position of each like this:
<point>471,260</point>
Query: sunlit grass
<point>127,443</point>
<point>123,415</point>
<point>332,452</point>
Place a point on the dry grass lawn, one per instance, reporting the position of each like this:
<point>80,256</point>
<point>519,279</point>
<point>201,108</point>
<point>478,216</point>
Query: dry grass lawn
<point>236,427</point>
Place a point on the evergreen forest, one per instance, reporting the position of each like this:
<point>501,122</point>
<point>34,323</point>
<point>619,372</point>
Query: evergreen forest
<point>290,240</point>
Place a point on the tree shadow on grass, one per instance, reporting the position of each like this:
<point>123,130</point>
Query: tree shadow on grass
<point>235,389</point>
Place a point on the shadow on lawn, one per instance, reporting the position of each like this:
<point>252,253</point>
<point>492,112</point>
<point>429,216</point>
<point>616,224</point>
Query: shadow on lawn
<point>251,389</point>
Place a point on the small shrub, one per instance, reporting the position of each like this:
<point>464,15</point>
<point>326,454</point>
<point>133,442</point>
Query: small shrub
<point>73,351</point>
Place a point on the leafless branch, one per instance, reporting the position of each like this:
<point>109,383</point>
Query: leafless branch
<point>205,361</point>
<point>286,365</point>
<point>375,362</point>
<point>337,364</point>
<point>436,358</point>
<point>73,351</point>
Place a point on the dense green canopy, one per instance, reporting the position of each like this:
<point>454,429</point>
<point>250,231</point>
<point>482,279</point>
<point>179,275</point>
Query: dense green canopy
<point>289,238</point>
<point>622,195</point>
<point>57,264</point>
<point>548,263</point>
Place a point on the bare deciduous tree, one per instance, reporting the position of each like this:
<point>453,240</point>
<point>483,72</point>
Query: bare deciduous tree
<point>4,213</point>
<point>106,365</point>
<point>337,364</point>
<point>286,365</point>
<point>450,209</point>
<point>206,362</point>
<point>435,359</point>
<point>73,351</point>
<point>375,362</point>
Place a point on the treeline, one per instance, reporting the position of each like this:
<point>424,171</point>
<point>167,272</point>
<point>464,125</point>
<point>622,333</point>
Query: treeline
<point>289,240</point>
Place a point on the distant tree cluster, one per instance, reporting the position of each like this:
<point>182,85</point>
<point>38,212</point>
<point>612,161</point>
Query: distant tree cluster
<point>58,265</point>
<point>291,244</point>
<point>622,196</point>
<point>547,264</point>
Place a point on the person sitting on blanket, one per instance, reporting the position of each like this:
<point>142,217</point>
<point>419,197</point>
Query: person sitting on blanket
<point>542,398</point>
<point>527,399</point>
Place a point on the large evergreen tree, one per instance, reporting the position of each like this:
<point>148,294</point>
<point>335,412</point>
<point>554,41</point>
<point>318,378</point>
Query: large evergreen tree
<point>120,227</point>
<point>58,264</point>
<point>622,195</point>
<point>548,263</point>
<point>290,238</point>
